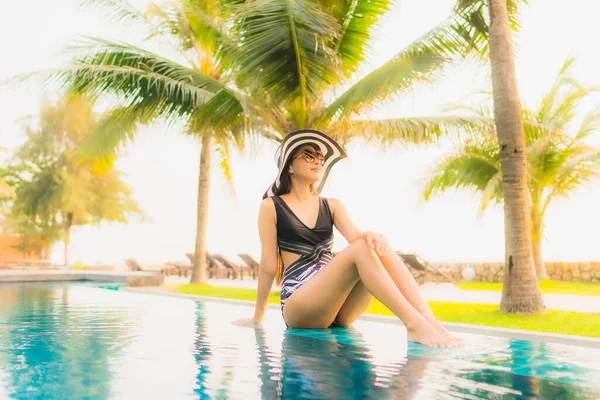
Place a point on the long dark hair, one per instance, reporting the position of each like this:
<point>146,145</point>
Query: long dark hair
<point>285,186</point>
<point>285,179</point>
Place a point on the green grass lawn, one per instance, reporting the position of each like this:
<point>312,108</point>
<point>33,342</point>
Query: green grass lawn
<point>565,322</point>
<point>547,287</point>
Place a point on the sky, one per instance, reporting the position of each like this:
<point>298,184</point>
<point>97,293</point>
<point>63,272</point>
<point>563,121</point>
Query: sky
<point>382,189</point>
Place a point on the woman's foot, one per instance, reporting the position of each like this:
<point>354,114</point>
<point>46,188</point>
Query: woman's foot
<point>427,335</point>
<point>458,342</point>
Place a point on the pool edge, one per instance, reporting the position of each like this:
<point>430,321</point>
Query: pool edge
<point>581,341</point>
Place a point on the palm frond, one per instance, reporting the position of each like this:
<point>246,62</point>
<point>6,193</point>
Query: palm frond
<point>558,105</point>
<point>224,152</point>
<point>412,129</point>
<point>400,73</point>
<point>482,109</point>
<point>558,162</point>
<point>170,20</point>
<point>465,31</point>
<point>563,112</point>
<point>207,22</point>
<point>578,170</point>
<point>545,157</point>
<point>288,46</point>
<point>195,26</point>
<point>470,168</point>
<point>192,23</point>
<point>491,193</point>
<point>589,125</point>
<point>115,129</point>
<point>223,114</point>
<point>357,21</point>
<point>130,71</point>
<point>120,11</point>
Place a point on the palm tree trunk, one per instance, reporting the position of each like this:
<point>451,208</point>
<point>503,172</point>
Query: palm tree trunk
<point>520,293</point>
<point>536,231</point>
<point>538,260</point>
<point>68,223</point>
<point>536,243</point>
<point>199,273</point>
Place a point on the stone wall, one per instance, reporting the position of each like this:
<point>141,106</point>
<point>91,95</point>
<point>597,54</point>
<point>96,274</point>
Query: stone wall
<point>587,271</point>
<point>494,272</point>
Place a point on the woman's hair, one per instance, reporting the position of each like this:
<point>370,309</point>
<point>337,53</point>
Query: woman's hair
<point>285,179</point>
<point>285,186</point>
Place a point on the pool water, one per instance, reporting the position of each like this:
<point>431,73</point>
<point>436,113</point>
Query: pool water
<point>74,341</point>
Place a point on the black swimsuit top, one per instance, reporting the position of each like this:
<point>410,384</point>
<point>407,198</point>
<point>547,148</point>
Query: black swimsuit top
<point>294,236</point>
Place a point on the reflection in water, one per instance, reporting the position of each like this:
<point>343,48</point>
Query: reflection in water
<point>335,365</point>
<point>338,364</point>
<point>50,349</point>
<point>72,341</point>
<point>517,363</point>
<point>202,352</point>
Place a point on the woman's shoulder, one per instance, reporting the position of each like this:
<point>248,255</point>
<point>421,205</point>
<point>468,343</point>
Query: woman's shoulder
<point>267,210</point>
<point>333,203</point>
<point>267,205</point>
<point>332,200</point>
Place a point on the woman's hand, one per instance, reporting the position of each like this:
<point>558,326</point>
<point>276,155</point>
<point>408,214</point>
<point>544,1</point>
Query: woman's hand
<point>245,322</point>
<point>377,242</point>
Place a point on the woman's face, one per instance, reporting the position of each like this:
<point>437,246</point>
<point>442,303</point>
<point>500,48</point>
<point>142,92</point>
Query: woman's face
<point>308,163</point>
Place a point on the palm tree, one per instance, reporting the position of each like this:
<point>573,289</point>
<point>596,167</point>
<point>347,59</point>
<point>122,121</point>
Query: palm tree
<point>476,29</point>
<point>150,88</point>
<point>557,162</point>
<point>520,292</point>
<point>262,68</point>
<point>485,25</point>
<point>304,59</point>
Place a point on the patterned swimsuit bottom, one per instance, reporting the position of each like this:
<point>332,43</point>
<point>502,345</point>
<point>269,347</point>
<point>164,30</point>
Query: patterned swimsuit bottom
<point>311,260</point>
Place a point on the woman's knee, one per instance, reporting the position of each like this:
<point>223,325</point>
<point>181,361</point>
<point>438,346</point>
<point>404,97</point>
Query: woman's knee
<point>360,248</point>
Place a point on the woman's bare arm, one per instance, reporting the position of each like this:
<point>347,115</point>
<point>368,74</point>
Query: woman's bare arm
<point>267,231</point>
<point>346,227</point>
<point>342,221</point>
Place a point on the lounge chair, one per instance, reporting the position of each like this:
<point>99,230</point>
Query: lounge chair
<point>421,266</point>
<point>181,268</point>
<point>251,262</point>
<point>234,269</point>
<point>133,265</point>
<point>212,266</point>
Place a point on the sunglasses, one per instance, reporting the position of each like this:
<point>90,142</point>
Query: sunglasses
<point>311,155</point>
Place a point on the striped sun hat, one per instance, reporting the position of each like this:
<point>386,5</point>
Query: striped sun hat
<point>332,153</point>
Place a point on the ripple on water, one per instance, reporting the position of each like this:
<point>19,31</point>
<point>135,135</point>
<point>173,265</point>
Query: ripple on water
<point>77,341</point>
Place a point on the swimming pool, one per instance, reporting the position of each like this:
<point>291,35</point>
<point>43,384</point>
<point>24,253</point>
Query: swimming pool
<point>60,341</point>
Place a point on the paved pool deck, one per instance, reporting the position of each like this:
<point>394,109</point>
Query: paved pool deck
<point>451,293</point>
<point>129,278</point>
<point>455,327</point>
<point>442,292</point>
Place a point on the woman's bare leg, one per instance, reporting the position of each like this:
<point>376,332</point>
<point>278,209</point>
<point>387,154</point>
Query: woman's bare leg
<point>355,305</point>
<point>317,302</point>
<point>409,288</point>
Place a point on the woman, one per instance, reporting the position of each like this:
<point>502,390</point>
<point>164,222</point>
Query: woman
<point>296,233</point>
